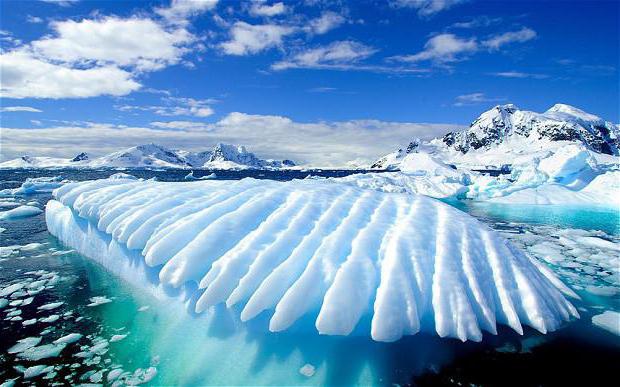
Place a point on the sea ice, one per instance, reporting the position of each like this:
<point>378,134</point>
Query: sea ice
<point>37,185</point>
<point>68,339</point>
<point>116,338</point>
<point>50,306</point>
<point>312,248</point>
<point>24,344</point>
<point>41,352</point>
<point>307,370</point>
<point>98,300</point>
<point>20,212</point>
<point>609,320</point>
<point>34,371</point>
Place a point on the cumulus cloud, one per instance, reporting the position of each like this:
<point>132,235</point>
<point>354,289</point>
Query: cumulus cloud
<point>180,10</point>
<point>92,57</point>
<point>259,8</point>
<point>474,99</point>
<point>20,109</point>
<point>426,7</point>
<point>137,42</point>
<point>318,143</point>
<point>24,75</point>
<point>248,39</point>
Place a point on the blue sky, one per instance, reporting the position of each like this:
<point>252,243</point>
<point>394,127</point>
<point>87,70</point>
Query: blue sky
<point>99,75</point>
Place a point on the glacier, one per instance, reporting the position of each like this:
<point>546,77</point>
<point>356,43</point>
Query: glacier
<point>354,261</point>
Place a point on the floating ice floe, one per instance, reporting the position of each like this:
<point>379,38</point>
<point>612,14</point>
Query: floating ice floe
<point>420,173</point>
<point>34,185</point>
<point>312,248</point>
<point>609,320</point>
<point>568,176</point>
<point>20,212</point>
<point>98,300</point>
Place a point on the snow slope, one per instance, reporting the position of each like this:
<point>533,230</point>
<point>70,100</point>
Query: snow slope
<point>352,260</point>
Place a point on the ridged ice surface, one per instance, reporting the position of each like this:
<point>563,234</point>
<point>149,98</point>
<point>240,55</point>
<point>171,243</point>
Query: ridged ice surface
<point>343,256</point>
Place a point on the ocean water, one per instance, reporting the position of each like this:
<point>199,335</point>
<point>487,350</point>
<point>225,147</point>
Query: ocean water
<point>140,338</point>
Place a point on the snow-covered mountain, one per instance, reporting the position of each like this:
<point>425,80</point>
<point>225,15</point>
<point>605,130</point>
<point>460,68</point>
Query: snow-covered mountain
<point>506,135</point>
<point>560,123</point>
<point>222,156</point>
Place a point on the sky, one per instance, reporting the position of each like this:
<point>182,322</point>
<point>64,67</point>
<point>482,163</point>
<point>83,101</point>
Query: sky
<point>319,82</point>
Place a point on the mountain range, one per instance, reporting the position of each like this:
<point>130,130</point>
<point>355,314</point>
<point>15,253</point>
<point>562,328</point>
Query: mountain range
<point>221,156</point>
<point>506,134</point>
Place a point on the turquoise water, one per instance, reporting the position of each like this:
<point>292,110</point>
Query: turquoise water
<point>165,341</point>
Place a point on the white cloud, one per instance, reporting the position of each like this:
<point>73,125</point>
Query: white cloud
<point>24,75</point>
<point>34,19</point>
<point>180,10</point>
<point>62,3</point>
<point>134,41</point>
<point>426,7</point>
<point>474,99</point>
<point>318,143</point>
<point>447,47</point>
<point>335,55</point>
<point>520,36</point>
<point>442,48</point>
<point>324,23</point>
<point>518,74</point>
<point>176,106</point>
<point>259,8</point>
<point>250,39</point>
<point>20,109</point>
<point>180,125</point>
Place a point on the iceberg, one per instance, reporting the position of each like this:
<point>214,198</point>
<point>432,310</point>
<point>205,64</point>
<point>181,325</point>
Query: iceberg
<point>420,173</point>
<point>20,212</point>
<point>351,260</point>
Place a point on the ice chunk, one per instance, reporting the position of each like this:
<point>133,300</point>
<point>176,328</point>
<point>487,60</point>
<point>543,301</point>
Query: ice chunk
<point>34,371</point>
<point>41,352</point>
<point>307,370</point>
<point>68,339</point>
<point>7,291</point>
<point>50,319</point>
<point>50,306</point>
<point>314,249</point>
<point>34,185</point>
<point>609,320</point>
<point>98,300</point>
<point>20,212</point>
<point>24,344</point>
<point>116,338</point>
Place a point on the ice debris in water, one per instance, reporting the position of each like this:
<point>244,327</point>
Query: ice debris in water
<point>68,339</point>
<point>307,370</point>
<point>609,320</point>
<point>37,370</point>
<point>34,185</point>
<point>41,352</point>
<point>116,338</point>
<point>98,300</point>
<point>24,344</point>
<point>50,306</point>
<point>316,248</point>
<point>20,212</point>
